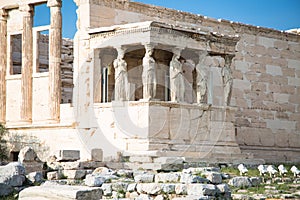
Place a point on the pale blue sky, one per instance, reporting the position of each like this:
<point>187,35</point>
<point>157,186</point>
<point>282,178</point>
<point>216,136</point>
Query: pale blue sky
<point>276,14</point>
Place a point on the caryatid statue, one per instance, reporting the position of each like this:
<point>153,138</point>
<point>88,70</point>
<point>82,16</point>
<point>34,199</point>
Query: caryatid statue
<point>227,80</point>
<point>149,74</point>
<point>177,87</point>
<point>121,77</point>
<point>202,78</point>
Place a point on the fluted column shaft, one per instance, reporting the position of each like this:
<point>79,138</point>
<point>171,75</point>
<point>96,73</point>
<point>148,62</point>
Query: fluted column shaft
<point>27,62</point>
<point>55,42</point>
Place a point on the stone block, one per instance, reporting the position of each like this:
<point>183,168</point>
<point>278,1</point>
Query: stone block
<point>33,166</point>
<point>35,177</point>
<point>167,177</point>
<point>97,155</point>
<point>255,181</point>
<point>294,140</point>
<point>90,164</point>
<point>240,182</point>
<point>94,180</point>
<point>179,121</point>
<point>201,189</point>
<point>190,178</point>
<point>12,174</point>
<point>66,192</point>
<point>249,136</point>
<point>279,124</point>
<point>181,189</point>
<point>27,154</point>
<point>144,178</point>
<point>131,187</point>
<point>294,81</point>
<point>168,188</point>
<point>242,66</point>
<point>242,84</point>
<point>223,188</point>
<point>267,42</point>
<point>267,139</point>
<point>119,186</point>
<point>107,189</point>
<point>74,174</point>
<point>5,190</point>
<point>142,159</point>
<point>159,122</point>
<point>214,177</point>
<point>274,70</point>
<point>293,63</point>
<point>54,175</point>
<point>149,188</point>
<point>67,155</point>
<point>280,44</point>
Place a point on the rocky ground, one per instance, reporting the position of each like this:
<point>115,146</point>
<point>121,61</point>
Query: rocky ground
<point>61,178</point>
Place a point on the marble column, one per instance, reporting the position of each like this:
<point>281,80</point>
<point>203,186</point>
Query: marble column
<point>3,63</point>
<point>121,76</point>
<point>177,87</point>
<point>27,62</point>
<point>202,79</point>
<point>227,79</point>
<point>149,74</point>
<point>55,42</point>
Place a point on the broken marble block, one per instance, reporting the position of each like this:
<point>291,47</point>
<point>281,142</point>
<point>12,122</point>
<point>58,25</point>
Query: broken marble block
<point>67,155</point>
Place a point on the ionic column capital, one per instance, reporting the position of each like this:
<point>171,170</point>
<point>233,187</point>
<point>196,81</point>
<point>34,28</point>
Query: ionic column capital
<point>121,51</point>
<point>177,51</point>
<point>26,8</point>
<point>54,3</point>
<point>3,15</point>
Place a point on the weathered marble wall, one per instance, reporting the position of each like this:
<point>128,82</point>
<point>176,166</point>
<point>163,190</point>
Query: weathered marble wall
<point>266,72</point>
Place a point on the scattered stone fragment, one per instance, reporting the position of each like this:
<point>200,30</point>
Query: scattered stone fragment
<point>12,174</point>
<point>5,189</point>
<point>167,177</point>
<point>94,180</point>
<point>35,177</point>
<point>201,189</point>
<point>56,175</point>
<point>67,155</point>
<point>107,189</point>
<point>54,191</point>
<point>181,189</point>
<point>255,181</point>
<point>240,182</point>
<point>189,178</point>
<point>144,178</point>
<point>214,177</point>
<point>168,188</point>
<point>74,174</point>
<point>131,187</point>
<point>149,188</point>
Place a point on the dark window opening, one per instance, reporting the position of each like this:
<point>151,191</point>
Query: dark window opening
<point>43,51</point>
<point>14,156</point>
<point>16,54</point>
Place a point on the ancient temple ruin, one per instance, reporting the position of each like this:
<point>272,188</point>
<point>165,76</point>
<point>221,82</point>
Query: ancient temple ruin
<point>148,81</point>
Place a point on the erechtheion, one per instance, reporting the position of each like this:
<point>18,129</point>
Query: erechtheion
<point>146,80</point>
